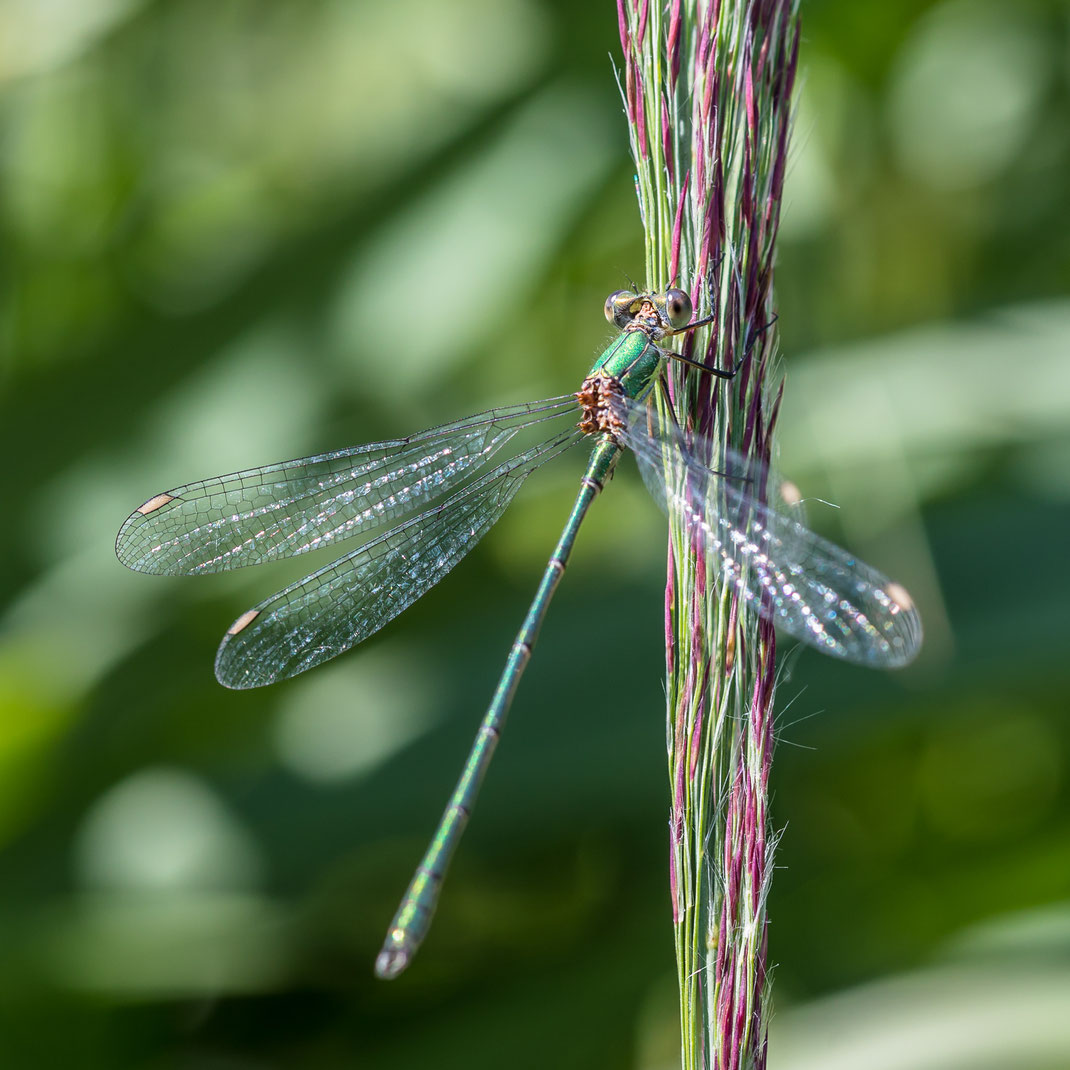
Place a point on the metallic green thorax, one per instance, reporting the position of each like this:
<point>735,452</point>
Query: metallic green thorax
<point>633,359</point>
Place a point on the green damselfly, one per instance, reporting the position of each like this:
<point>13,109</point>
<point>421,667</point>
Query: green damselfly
<point>432,494</point>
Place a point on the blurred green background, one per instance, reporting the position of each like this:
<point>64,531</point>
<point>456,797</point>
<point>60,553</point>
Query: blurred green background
<point>235,231</point>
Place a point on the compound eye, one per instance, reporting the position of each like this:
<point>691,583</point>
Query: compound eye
<point>617,304</point>
<point>677,308</point>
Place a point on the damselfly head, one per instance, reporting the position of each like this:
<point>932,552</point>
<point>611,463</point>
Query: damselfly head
<point>661,313</point>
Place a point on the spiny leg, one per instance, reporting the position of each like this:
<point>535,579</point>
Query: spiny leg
<point>671,354</point>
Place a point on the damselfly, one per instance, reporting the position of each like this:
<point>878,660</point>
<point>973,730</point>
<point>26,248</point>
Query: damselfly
<point>434,496</point>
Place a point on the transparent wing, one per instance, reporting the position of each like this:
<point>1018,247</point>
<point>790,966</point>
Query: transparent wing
<point>326,613</point>
<point>290,508</point>
<point>806,585</point>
